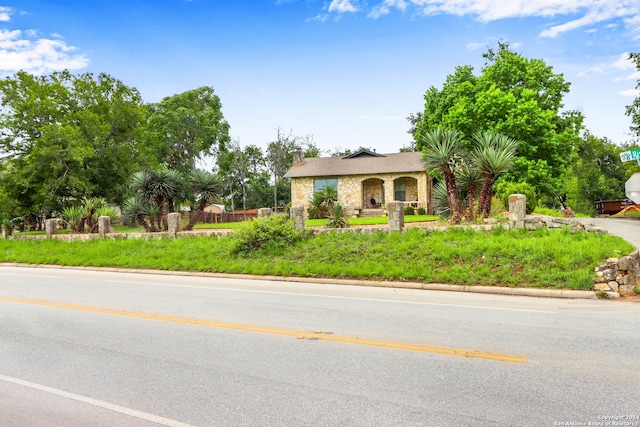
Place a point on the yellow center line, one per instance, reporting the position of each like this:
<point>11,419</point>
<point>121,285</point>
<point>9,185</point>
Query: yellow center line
<point>286,332</point>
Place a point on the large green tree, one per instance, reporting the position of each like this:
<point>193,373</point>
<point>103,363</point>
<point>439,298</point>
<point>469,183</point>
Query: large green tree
<point>187,127</point>
<point>65,137</point>
<point>515,96</point>
<point>595,173</point>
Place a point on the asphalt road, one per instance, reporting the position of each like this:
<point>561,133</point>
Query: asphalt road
<point>84,348</point>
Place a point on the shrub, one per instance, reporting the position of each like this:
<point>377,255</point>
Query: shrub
<point>269,233</point>
<point>421,211</point>
<point>321,202</point>
<point>109,211</point>
<point>337,219</point>
<point>505,189</point>
<point>72,216</point>
<point>408,210</point>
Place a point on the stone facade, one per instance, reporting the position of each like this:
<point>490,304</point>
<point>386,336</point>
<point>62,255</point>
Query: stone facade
<point>356,191</point>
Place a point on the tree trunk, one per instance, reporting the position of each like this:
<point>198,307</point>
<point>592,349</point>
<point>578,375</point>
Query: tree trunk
<point>162,218</point>
<point>471,199</point>
<point>275,193</point>
<point>452,195</point>
<point>195,217</point>
<point>484,205</point>
<point>148,228</point>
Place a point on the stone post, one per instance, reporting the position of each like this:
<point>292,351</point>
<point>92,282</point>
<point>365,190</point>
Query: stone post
<point>50,227</point>
<point>263,212</point>
<point>297,213</point>
<point>174,221</point>
<point>395,214</point>
<point>517,210</point>
<point>6,231</point>
<point>104,225</point>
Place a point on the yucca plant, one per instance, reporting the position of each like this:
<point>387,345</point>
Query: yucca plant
<point>206,186</point>
<point>135,209</point>
<point>493,155</point>
<point>444,151</point>
<point>109,211</point>
<point>316,206</point>
<point>337,218</point>
<point>162,186</point>
<point>74,217</point>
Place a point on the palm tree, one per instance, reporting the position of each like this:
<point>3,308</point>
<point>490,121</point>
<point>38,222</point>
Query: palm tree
<point>470,181</point>
<point>444,151</point>
<point>492,156</point>
<point>205,186</point>
<point>161,186</point>
<point>137,210</point>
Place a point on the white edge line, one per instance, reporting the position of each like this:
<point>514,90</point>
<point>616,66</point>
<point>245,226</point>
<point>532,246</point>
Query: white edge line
<point>105,405</point>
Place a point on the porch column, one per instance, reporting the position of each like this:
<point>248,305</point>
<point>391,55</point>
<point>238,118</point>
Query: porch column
<point>389,193</point>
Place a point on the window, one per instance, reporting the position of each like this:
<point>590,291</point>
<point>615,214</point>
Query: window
<point>399,189</point>
<point>321,184</point>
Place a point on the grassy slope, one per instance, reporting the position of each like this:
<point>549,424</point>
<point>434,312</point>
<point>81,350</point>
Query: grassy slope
<point>501,258</point>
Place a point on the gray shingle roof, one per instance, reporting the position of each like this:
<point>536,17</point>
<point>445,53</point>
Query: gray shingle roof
<point>361,165</point>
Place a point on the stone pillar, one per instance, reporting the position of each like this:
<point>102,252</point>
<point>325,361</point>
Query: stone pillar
<point>395,213</point>
<point>174,220</point>
<point>264,212</point>
<point>6,231</point>
<point>104,225</point>
<point>297,214</point>
<point>517,210</point>
<point>50,227</point>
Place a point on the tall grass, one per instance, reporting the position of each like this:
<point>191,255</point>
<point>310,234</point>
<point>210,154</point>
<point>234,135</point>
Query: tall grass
<point>543,258</point>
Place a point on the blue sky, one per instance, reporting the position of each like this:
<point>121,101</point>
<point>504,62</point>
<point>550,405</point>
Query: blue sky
<point>347,72</point>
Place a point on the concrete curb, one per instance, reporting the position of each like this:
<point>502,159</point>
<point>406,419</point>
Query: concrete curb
<point>530,292</point>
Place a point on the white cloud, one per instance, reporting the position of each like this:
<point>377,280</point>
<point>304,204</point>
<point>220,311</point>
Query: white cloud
<point>320,18</point>
<point>590,12</point>
<point>385,8</point>
<point>24,50</point>
<point>624,63</point>
<point>5,14</point>
<point>342,6</point>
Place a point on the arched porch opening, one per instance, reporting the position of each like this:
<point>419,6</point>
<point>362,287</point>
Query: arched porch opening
<point>372,193</point>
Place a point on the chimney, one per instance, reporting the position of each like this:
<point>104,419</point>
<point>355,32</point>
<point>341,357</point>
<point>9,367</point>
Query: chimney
<point>298,156</point>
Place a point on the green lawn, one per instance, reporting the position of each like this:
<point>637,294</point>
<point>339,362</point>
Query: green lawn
<point>322,222</point>
<point>544,258</point>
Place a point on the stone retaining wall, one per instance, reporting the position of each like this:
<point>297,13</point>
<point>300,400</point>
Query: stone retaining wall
<point>618,276</point>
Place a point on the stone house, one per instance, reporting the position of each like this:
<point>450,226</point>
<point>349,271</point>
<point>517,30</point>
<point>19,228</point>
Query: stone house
<point>365,180</point>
